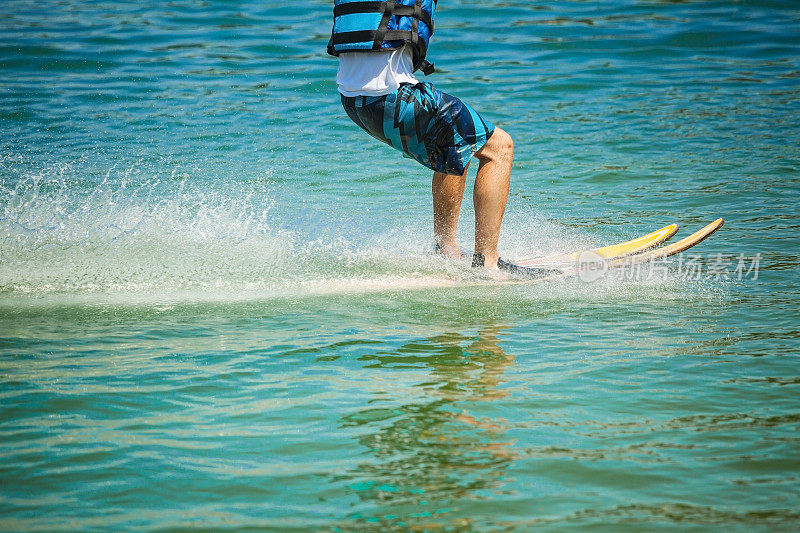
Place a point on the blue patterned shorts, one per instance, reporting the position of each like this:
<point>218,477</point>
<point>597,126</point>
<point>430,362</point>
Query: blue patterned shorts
<point>436,129</point>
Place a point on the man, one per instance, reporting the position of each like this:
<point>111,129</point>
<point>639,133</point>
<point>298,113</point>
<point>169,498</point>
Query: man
<point>380,45</point>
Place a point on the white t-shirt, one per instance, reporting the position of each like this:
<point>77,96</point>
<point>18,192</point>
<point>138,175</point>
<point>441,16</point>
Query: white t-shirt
<point>375,73</point>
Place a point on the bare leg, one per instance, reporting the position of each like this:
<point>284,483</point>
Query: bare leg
<point>448,191</point>
<point>491,193</point>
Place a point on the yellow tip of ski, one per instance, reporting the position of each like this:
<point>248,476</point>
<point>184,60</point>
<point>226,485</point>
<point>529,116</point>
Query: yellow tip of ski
<point>639,244</point>
<point>676,247</point>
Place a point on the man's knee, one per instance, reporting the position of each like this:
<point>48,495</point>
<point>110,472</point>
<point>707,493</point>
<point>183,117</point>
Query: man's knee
<point>506,144</point>
<point>500,146</point>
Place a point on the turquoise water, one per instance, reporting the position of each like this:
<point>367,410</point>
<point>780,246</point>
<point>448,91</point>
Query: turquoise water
<point>218,308</point>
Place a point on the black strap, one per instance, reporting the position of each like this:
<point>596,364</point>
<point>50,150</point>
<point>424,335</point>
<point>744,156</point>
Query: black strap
<point>426,67</point>
<point>415,23</point>
<point>348,37</point>
<point>352,8</point>
<point>370,35</point>
<point>380,35</point>
<point>331,51</point>
<point>396,35</point>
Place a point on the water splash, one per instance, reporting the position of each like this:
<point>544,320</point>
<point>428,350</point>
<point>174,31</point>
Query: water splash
<point>60,233</point>
<point>133,235</point>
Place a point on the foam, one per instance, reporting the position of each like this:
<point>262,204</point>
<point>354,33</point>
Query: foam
<point>132,237</point>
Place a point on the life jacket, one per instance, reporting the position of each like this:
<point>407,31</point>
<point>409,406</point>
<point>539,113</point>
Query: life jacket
<point>366,26</point>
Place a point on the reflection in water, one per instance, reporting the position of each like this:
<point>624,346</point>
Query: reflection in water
<point>433,450</point>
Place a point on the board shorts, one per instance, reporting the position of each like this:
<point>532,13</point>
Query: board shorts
<point>434,128</point>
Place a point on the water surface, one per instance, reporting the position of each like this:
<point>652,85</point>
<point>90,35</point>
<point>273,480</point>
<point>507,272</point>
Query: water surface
<point>218,306</point>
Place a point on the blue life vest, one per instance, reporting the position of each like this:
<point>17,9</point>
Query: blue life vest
<point>366,26</point>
